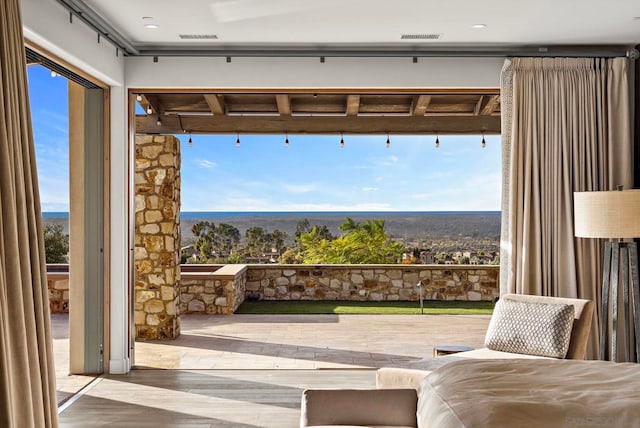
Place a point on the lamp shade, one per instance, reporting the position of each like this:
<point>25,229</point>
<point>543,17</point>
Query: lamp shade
<point>607,214</point>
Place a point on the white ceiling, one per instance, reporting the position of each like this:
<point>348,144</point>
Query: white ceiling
<point>374,23</point>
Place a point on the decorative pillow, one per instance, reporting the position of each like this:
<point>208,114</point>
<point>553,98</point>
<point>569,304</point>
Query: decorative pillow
<point>530,328</point>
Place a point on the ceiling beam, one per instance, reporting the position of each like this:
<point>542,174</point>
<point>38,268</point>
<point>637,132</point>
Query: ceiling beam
<point>491,105</point>
<point>353,105</point>
<point>407,125</point>
<point>284,104</point>
<point>215,103</point>
<point>476,109</point>
<point>421,104</point>
<point>150,101</point>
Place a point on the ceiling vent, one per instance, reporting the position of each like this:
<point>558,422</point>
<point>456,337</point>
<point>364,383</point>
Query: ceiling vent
<point>420,36</point>
<point>199,36</point>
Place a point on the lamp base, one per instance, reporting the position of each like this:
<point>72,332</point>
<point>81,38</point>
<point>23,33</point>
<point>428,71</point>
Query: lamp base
<point>620,271</point>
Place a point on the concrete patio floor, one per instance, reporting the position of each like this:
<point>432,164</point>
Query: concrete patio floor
<point>260,342</point>
<point>250,370</point>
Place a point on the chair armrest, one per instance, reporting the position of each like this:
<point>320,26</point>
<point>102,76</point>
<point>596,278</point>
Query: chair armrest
<point>392,407</point>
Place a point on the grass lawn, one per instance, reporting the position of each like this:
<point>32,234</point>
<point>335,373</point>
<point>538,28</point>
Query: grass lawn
<point>431,307</point>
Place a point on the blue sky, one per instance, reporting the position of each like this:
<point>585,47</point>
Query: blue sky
<point>312,174</point>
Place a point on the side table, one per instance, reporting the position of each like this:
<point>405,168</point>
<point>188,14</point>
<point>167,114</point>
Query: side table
<point>441,350</point>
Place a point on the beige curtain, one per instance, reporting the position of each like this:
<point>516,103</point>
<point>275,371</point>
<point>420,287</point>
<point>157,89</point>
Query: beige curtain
<point>570,131</point>
<point>27,375</point>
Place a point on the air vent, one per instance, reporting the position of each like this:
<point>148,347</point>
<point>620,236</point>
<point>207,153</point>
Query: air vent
<point>420,36</point>
<point>199,36</point>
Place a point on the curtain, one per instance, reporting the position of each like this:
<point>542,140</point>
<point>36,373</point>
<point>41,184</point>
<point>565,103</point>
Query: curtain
<point>27,375</point>
<point>570,130</point>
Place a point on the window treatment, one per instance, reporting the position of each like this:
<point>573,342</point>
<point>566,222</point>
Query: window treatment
<point>569,129</point>
<point>27,375</point>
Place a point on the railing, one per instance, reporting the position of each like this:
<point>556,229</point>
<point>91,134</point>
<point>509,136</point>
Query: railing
<point>220,289</point>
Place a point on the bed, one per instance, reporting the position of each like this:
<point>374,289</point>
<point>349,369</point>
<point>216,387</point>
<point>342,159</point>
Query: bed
<point>531,393</point>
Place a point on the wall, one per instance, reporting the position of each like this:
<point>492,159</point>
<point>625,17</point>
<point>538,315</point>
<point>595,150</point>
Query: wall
<point>310,73</point>
<point>58,285</point>
<point>219,291</point>
<point>373,282</point>
<point>157,237</point>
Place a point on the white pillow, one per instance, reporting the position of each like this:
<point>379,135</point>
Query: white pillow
<point>531,328</point>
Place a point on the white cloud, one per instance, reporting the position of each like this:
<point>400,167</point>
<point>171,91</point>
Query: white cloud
<point>204,163</point>
<point>369,189</point>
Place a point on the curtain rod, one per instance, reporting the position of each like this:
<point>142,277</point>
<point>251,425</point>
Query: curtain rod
<point>463,52</point>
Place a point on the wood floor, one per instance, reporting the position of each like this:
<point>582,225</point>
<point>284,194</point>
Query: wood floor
<point>250,370</point>
<point>204,398</point>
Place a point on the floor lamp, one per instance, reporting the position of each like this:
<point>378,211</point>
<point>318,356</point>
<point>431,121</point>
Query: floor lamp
<point>615,215</point>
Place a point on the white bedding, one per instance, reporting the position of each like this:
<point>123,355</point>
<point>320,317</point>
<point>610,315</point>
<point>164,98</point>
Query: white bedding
<point>531,393</point>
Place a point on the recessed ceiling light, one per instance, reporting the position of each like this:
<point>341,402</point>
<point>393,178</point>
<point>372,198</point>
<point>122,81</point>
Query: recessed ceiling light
<point>151,26</point>
<point>479,26</point>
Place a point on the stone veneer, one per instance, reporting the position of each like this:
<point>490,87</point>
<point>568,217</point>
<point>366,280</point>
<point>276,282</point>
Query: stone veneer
<point>214,292</point>
<point>220,289</point>
<point>157,237</point>
<point>373,282</point>
<point>58,285</point>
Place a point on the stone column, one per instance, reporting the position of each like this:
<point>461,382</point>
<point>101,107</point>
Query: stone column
<point>157,237</point>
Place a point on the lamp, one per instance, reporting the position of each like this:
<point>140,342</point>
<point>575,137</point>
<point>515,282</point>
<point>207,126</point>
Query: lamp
<point>614,215</point>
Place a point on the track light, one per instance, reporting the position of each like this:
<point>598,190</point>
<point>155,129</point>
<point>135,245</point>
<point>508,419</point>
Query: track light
<point>238,140</point>
<point>190,140</point>
<point>388,141</point>
<point>484,142</point>
<point>159,121</point>
<point>341,140</point>
<point>286,140</point>
<point>437,141</point>
<point>149,110</point>
<point>138,97</point>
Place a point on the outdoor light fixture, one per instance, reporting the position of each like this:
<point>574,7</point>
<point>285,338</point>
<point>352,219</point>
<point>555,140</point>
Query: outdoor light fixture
<point>614,215</point>
<point>149,110</point>
<point>159,121</point>
<point>53,73</point>
<point>388,141</point>
<point>138,97</point>
<point>484,142</point>
<point>341,140</point>
<point>190,140</point>
<point>238,140</point>
<point>286,140</point>
<point>437,141</point>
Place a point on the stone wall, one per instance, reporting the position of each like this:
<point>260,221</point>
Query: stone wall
<point>373,282</point>
<point>157,237</point>
<point>58,284</point>
<point>216,292</point>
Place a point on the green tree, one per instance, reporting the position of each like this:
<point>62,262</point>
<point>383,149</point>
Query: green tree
<point>226,238</point>
<point>360,243</point>
<point>205,232</point>
<point>276,239</point>
<point>56,244</point>
<point>257,240</point>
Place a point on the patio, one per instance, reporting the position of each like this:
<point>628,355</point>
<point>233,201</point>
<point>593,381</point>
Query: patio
<point>250,370</point>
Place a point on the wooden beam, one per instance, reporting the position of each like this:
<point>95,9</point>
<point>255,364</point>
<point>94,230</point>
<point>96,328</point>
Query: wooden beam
<point>421,104</point>
<point>284,104</point>
<point>492,104</point>
<point>353,105</point>
<point>215,103</point>
<point>476,110</point>
<point>150,101</point>
<point>408,125</point>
